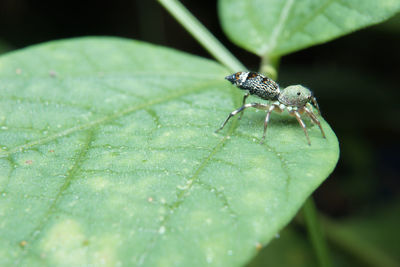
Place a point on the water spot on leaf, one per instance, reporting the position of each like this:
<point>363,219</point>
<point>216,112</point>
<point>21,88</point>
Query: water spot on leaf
<point>162,229</point>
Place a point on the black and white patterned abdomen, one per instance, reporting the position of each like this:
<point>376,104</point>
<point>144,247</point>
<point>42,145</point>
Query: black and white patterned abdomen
<point>256,84</point>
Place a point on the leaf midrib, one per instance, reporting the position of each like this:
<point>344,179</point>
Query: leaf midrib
<point>104,119</point>
<point>270,46</point>
<point>304,22</point>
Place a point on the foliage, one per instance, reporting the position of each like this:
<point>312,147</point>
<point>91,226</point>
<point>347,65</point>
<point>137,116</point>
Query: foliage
<point>275,27</point>
<point>109,156</point>
<point>109,153</point>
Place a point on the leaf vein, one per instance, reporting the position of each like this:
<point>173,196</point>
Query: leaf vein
<point>76,166</point>
<point>101,120</point>
<point>183,193</point>
<point>279,27</point>
<point>300,26</point>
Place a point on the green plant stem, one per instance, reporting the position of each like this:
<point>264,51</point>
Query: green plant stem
<point>269,66</point>
<point>315,233</point>
<point>202,35</point>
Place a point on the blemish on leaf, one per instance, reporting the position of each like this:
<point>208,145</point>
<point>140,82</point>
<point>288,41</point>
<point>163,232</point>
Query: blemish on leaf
<point>52,73</point>
<point>23,243</point>
<point>258,246</point>
<point>28,162</point>
<point>18,71</point>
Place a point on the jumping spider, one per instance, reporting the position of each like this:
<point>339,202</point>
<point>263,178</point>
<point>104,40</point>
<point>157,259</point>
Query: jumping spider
<point>296,99</point>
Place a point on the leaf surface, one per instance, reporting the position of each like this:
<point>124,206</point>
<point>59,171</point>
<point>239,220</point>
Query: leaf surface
<point>109,156</point>
<point>279,27</point>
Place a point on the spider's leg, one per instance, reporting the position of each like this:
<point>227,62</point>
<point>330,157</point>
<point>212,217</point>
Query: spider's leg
<point>315,120</point>
<point>301,122</point>
<point>233,113</point>
<point>266,122</point>
<point>315,103</point>
<point>244,102</point>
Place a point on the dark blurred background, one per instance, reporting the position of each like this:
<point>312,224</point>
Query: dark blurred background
<point>356,80</point>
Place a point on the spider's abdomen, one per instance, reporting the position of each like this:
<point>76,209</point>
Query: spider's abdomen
<point>256,84</point>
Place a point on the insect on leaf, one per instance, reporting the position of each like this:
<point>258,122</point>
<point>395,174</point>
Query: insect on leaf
<point>109,156</point>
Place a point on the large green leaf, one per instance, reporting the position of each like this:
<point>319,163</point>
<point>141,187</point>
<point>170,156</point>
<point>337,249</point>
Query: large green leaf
<point>278,27</point>
<point>109,156</point>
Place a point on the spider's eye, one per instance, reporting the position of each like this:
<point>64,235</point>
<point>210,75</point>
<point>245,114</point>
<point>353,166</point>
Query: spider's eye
<point>298,93</point>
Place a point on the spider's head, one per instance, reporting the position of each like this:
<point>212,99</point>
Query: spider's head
<point>237,78</point>
<point>295,95</point>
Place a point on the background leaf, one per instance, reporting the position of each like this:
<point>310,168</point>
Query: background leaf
<point>109,156</point>
<point>276,27</point>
